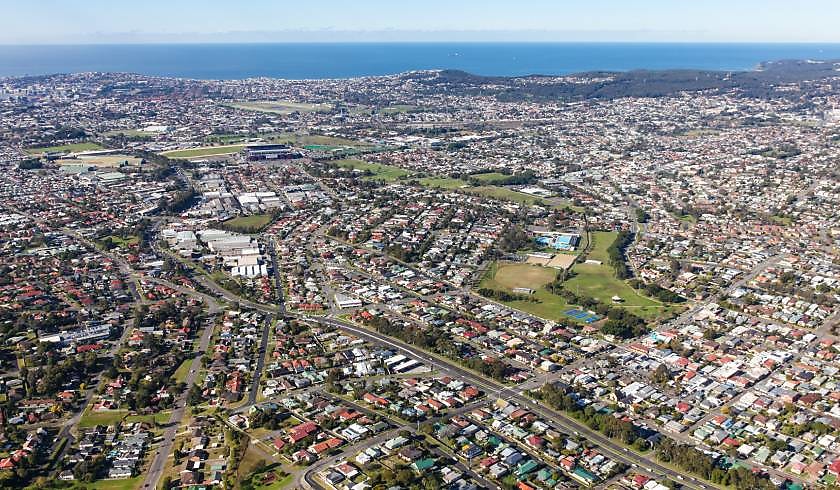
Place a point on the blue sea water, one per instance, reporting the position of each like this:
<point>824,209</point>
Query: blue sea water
<point>345,60</point>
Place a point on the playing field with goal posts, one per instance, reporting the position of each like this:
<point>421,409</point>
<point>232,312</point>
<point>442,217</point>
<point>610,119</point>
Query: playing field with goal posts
<point>511,276</point>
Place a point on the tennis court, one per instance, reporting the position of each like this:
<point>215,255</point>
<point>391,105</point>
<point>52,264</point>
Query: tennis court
<point>583,316</point>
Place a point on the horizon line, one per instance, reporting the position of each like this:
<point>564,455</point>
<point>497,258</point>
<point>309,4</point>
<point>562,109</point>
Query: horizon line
<point>397,42</point>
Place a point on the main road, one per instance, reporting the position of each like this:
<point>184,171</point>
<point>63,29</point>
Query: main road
<point>607,446</point>
<point>158,465</point>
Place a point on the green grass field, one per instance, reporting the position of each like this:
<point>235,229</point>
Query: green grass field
<point>584,242</point>
<point>75,147</point>
<point>124,484</point>
<point>687,218</point>
<point>601,241</point>
<point>509,276</point>
<point>226,139</point>
<point>315,139</point>
<point>131,133</point>
<point>284,107</point>
<point>599,282</point>
<point>591,280</point>
<point>180,374</point>
<point>387,173</point>
<point>781,220</point>
<point>161,418</point>
<point>491,191</point>
<point>549,306</point>
<point>106,417</point>
<point>505,193</point>
<point>103,161</point>
<point>245,224</point>
<point>258,480</point>
<point>489,176</point>
<point>442,183</point>
<point>124,242</point>
<point>398,109</point>
<point>203,151</point>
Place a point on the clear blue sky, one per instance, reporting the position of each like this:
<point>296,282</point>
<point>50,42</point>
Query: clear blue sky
<point>103,21</point>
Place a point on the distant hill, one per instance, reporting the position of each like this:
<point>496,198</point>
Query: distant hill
<point>764,82</point>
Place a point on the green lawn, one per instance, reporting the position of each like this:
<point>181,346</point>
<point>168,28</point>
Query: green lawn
<point>123,242</point>
<point>398,109</point>
<point>74,147</point>
<point>489,176</point>
<point>510,276</point>
<point>590,280</point>
<point>131,133</point>
<point>560,203</point>
<point>104,417</point>
<point>442,183</point>
<point>245,224</point>
<point>161,418</point>
<point>584,242</point>
<point>181,373</point>
<point>204,151</point>
<point>491,191</point>
<point>387,173</point>
<point>781,220</point>
<point>601,241</point>
<point>258,480</point>
<point>124,484</point>
<point>313,139</point>
<point>599,282</point>
<point>226,139</point>
<point>505,193</point>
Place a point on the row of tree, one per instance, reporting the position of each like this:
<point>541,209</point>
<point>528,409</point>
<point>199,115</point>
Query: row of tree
<point>440,342</point>
<point>504,296</point>
<point>667,450</point>
<point>656,291</point>
<point>617,258</point>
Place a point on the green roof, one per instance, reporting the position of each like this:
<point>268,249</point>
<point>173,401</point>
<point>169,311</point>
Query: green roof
<point>585,474</point>
<point>527,467</point>
<point>423,464</point>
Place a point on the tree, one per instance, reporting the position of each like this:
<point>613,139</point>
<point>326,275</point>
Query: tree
<point>661,374</point>
<point>30,164</point>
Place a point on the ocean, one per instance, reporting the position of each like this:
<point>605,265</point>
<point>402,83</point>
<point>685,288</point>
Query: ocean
<point>346,60</point>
